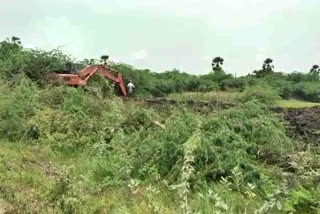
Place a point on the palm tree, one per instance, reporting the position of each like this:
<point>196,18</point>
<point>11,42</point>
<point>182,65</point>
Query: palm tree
<point>104,59</point>
<point>314,68</point>
<point>16,40</point>
<point>267,67</point>
<point>217,62</point>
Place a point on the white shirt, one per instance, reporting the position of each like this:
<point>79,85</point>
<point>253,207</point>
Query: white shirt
<point>130,87</point>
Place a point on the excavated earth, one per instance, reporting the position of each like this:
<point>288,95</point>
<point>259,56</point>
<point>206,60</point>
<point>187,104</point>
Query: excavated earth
<point>304,123</point>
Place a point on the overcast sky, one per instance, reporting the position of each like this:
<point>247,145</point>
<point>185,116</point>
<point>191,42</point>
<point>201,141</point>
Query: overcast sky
<point>166,34</point>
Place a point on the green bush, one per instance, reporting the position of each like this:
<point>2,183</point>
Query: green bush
<point>297,77</point>
<point>304,86</point>
<point>234,83</point>
<point>234,138</point>
<point>300,200</point>
<point>261,93</point>
<point>17,104</point>
<point>309,91</point>
<point>36,64</point>
<point>242,152</point>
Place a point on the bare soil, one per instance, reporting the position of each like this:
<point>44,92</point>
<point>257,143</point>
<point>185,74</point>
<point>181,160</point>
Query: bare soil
<point>304,123</point>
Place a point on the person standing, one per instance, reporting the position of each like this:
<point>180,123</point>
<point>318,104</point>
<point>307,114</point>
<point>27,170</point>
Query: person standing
<point>130,87</point>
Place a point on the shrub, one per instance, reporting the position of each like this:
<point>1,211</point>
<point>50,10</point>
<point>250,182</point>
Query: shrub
<point>309,91</point>
<point>208,85</point>
<point>285,88</point>
<point>64,194</point>
<point>234,138</point>
<point>262,93</point>
<point>17,104</point>
<point>300,200</point>
<point>234,83</point>
<point>35,64</point>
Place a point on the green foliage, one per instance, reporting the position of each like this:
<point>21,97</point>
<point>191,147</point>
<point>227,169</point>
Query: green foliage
<point>304,86</point>
<point>315,72</point>
<point>16,105</point>
<point>261,93</point>
<point>129,157</point>
<point>160,84</point>
<point>36,64</point>
<point>267,69</point>
<point>216,64</point>
<point>10,58</point>
<point>207,85</point>
<point>284,87</point>
<point>234,139</point>
<point>297,77</point>
<point>64,194</point>
<point>123,142</point>
<point>309,91</point>
<point>237,83</point>
<point>300,200</point>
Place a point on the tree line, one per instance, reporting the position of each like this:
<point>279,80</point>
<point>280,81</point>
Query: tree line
<point>15,60</point>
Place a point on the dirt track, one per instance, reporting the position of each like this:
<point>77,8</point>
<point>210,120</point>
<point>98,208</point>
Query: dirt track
<point>304,123</point>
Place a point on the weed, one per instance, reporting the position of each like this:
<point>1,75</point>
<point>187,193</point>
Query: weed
<point>64,194</point>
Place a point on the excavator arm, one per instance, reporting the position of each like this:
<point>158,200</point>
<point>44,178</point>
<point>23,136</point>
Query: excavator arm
<point>119,80</point>
<point>82,77</point>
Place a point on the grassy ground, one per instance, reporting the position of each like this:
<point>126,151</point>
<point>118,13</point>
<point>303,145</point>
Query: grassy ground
<point>34,179</point>
<point>74,151</point>
<point>292,103</point>
<point>206,96</point>
<point>233,97</point>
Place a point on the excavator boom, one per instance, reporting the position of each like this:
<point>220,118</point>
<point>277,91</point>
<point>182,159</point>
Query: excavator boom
<point>81,78</point>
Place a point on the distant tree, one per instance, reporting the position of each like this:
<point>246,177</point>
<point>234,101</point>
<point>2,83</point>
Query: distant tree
<point>315,72</point>
<point>15,40</point>
<point>314,68</point>
<point>267,68</point>
<point>267,65</point>
<point>92,62</point>
<point>87,62</point>
<point>104,59</point>
<point>216,64</point>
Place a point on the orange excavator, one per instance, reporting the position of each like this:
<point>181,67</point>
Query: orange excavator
<point>82,77</point>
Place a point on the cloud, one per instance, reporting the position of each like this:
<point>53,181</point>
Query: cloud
<point>141,54</point>
<point>183,34</point>
<point>206,58</point>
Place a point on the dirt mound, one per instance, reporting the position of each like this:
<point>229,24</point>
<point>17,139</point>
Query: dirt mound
<point>304,123</point>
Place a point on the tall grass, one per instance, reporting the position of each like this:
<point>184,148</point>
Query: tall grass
<point>240,153</point>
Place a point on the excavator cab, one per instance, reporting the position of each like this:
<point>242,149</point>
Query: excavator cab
<point>72,68</point>
<point>69,68</point>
